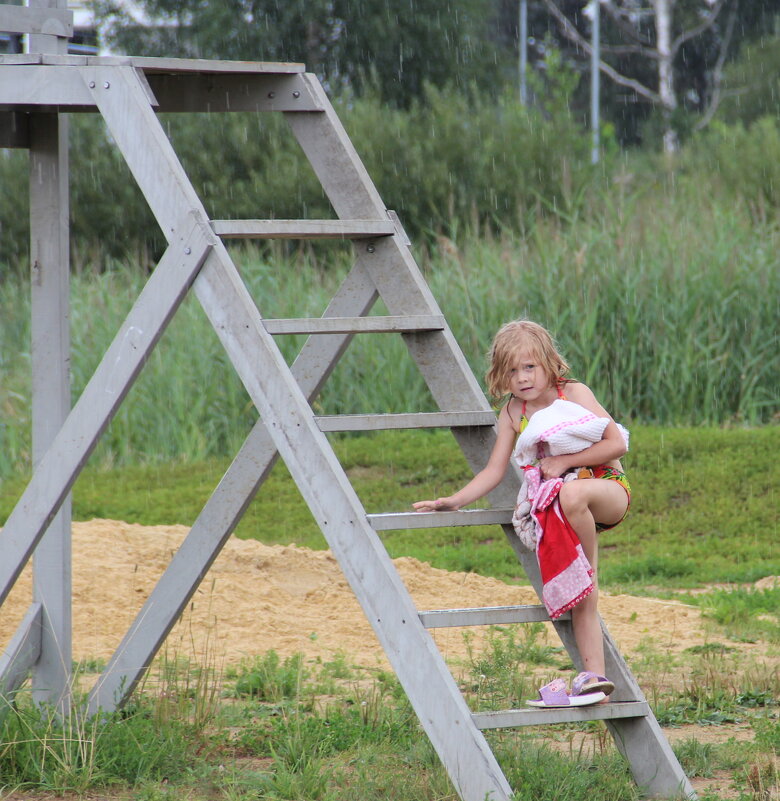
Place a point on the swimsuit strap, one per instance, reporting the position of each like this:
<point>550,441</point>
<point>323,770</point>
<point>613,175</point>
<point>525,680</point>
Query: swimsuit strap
<point>523,419</point>
<point>559,386</point>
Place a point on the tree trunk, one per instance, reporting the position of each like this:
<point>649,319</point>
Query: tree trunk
<point>663,25</point>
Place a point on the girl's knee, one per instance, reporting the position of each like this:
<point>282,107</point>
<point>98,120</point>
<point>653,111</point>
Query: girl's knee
<point>573,496</point>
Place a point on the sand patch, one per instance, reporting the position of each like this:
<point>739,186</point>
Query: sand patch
<point>258,597</point>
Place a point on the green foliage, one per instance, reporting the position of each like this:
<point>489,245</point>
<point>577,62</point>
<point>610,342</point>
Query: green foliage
<point>744,159</point>
<point>682,529</point>
<point>363,740</point>
<point>267,678</point>
<point>696,758</point>
<point>751,83</point>
<point>335,38</point>
<point>71,754</point>
<point>746,614</point>
<point>442,163</point>
<point>500,674</point>
<point>768,733</point>
<point>535,772</point>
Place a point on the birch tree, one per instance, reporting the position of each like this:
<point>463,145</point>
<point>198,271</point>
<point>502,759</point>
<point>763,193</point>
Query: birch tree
<point>654,31</point>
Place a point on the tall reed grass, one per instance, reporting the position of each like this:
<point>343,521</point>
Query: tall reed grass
<point>666,304</point>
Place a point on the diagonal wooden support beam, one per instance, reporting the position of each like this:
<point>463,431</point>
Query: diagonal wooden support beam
<point>21,654</point>
<point>221,514</point>
<point>60,466</point>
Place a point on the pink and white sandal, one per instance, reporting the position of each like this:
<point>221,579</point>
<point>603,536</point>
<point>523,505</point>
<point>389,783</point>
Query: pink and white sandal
<point>588,682</point>
<point>554,695</point>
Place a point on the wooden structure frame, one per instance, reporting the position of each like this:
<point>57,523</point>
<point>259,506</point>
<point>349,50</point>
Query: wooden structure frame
<point>35,90</point>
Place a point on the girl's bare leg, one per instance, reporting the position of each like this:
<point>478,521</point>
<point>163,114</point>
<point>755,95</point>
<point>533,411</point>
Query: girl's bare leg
<point>584,502</point>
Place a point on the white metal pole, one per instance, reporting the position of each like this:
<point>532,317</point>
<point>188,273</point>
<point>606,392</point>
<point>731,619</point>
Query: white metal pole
<point>523,49</point>
<point>594,80</point>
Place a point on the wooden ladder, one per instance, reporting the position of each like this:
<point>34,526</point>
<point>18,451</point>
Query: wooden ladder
<point>126,92</point>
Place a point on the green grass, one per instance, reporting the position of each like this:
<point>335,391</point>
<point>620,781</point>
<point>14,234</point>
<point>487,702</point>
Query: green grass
<point>295,729</point>
<point>703,508</point>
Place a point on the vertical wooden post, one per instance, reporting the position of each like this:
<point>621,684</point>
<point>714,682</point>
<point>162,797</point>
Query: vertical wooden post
<point>50,286</point>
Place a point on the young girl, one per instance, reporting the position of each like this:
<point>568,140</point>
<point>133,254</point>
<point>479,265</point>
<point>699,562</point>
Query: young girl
<point>525,364</point>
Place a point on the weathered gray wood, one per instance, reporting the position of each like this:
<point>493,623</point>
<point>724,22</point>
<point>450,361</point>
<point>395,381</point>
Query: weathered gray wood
<point>37,87</point>
<point>388,422</point>
<point>155,64</point>
<point>467,517</point>
<point>56,472</point>
<point>486,616</point>
<point>653,763</point>
<point>21,654</point>
<point>50,359</point>
<point>354,325</point>
<point>52,37</point>
<point>229,91</point>
<point>221,513</point>
<point>303,229</point>
<point>49,21</point>
<point>509,718</point>
<point>313,466</point>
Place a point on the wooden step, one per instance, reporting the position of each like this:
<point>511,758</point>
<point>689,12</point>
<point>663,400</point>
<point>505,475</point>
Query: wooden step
<point>487,616</point>
<point>510,718</point>
<point>302,229</point>
<point>389,422</point>
<point>389,324</point>
<point>470,517</point>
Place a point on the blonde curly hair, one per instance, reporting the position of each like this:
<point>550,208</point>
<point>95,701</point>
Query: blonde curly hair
<point>511,339</point>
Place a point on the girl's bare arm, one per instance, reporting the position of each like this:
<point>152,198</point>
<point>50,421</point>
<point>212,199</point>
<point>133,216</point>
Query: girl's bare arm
<point>486,480</point>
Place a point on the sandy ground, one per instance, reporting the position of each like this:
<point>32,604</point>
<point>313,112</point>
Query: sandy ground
<point>290,599</point>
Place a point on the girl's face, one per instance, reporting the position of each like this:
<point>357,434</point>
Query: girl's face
<point>527,380</point>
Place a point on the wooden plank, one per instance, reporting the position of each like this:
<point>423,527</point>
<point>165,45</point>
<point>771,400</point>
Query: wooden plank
<point>390,422</point>
<point>335,505</point>
<point>56,472</point>
<point>28,19</point>
<point>50,358</point>
<point>34,86</point>
<point>303,229</point>
<point>52,38</point>
<point>354,325</point>
<point>20,58</point>
<point>154,64</point>
<point>469,517</point>
<point>486,616</point>
<point>21,654</point>
<point>510,718</point>
<point>227,91</point>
